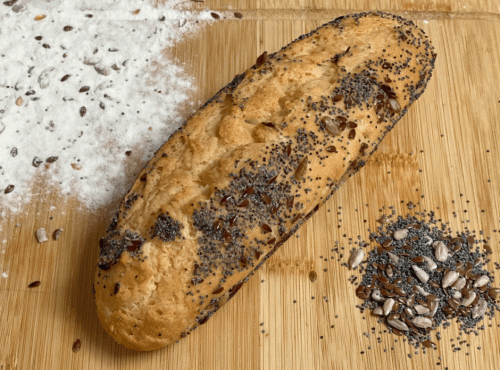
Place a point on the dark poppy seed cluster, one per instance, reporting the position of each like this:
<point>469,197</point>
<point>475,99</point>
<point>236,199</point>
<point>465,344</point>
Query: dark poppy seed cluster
<point>421,276</point>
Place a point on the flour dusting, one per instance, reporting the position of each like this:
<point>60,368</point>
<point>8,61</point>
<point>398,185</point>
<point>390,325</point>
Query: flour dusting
<point>86,94</point>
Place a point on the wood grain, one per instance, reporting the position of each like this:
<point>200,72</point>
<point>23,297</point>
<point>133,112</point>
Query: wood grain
<point>442,156</point>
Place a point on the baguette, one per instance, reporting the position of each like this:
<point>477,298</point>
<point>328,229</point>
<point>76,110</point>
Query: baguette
<point>248,168</point>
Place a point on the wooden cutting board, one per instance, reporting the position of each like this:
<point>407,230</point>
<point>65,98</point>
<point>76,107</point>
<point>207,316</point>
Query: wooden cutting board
<point>442,156</point>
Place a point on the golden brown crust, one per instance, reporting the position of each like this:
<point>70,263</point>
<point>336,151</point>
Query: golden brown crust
<point>249,168</point>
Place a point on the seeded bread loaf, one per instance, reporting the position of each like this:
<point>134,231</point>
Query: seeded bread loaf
<point>245,171</point>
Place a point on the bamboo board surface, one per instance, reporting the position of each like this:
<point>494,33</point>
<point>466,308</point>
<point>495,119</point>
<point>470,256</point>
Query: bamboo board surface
<point>442,156</point>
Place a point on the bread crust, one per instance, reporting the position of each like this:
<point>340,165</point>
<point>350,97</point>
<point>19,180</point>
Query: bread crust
<point>248,168</point>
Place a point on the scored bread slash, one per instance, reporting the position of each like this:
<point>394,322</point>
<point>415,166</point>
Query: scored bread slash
<point>249,168</point>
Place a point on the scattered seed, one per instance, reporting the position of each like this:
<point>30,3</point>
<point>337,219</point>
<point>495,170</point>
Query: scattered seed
<point>67,28</point>
<point>421,310</point>
<point>41,235</point>
<point>83,111</point>
<point>400,234</point>
<point>313,276</point>
<point>421,322</point>
<point>481,281</point>
<point>467,300</point>
<point>36,162</point>
<point>57,234</point>
<point>9,189</point>
<point>441,251</point>
<point>238,15</point>
<point>449,279</point>
<point>378,311</point>
<point>19,101</point>
<point>51,159</point>
<point>215,15</point>
<point>479,309</point>
<point>398,324</point>
<point>388,305</point>
<point>77,345</point>
<point>35,284</point>
<point>137,11</point>
<point>356,258</point>
<point>430,264</point>
<point>40,17</point>
<point>84,89</point>
<point>420,274</point>
<point>76,166</point>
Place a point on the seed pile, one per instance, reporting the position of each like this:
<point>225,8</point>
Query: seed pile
<point>421,276</point>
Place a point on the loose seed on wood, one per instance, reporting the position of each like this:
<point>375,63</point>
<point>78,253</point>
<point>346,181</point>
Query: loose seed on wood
<point>378,311</point>
<point>441,251</point>
<point>421,310</point>
<point>400,234</point>
<point>395,107</point>
<point>479,309</point>
<point>41,235</point>
<point>409,312</point>
<point>421,322</point>
<point>393,258</point>
<point>77,345</point>
<point>433,307</point>
<point>467,301</point>
<point>57,234</point>
<point>35,284</point>
<point>459,284</point>
<point>456,294</point>
<point>449,279</point>
<point>377,296</point>
<point>481,281</point>
<point>420,274</point>
<point>398,324</point>
<point>388,304</point>
<point>356,258</point>
<point>421,290</point>
<point>431,265</point>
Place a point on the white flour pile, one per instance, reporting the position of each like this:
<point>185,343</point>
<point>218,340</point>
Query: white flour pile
<point>80,104</point>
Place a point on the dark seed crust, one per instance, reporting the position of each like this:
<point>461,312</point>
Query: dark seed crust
<point>249,168</point>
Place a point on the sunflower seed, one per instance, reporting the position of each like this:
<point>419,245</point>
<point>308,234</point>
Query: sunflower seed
<point>91,61</point>
<point>421,290</point>
<point>467,301</point>
<point>459,284</point>
<point>457,294</point>
<point>421,274</point>
<point>388,304</point>
<point>431,265</point>
<point>421,322</point>
<point>433,307</point>
<point>481,281</point>
<point>421,310</point>
<point>479,309</point>
<point>356,258</point>
<point>44,78</point>
<point>393,258</point>
<point>398,324</point>
<point>377,296</point>
<point>449,279</point>
<point>18,8</point>
<point>102,69</point>
<point>400,234</point>
<point>41,235</point>
<point>409,312</point>
<point>441,251</point>
<point>378,311</point>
